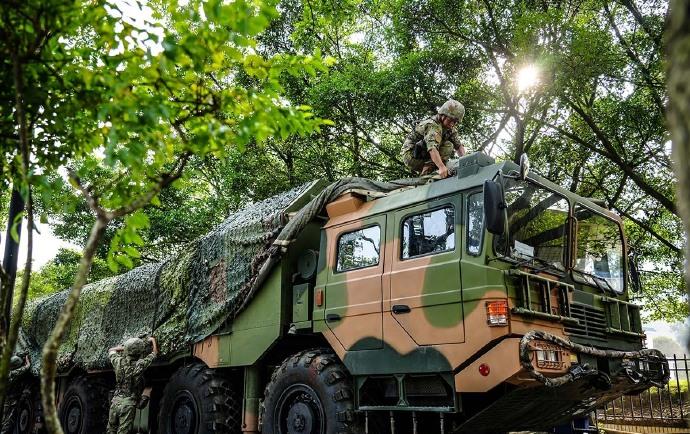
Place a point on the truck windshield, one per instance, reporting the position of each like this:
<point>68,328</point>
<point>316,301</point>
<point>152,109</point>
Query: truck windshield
<point>537,223</point>
<point>599,254</point>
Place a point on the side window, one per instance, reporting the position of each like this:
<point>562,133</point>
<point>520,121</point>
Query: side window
<point>475,223</point>
<point>359,249</point>
<point>429,232</point>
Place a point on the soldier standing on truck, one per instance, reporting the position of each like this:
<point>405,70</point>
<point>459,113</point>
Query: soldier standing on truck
<point>129,366</point>
<point>431,143</point>
<point>18,368</point>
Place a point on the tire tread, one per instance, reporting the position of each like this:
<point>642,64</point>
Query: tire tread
<point>220,402</point>
<point>332,373</point>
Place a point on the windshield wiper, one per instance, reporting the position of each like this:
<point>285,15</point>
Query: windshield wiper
<point>545,264</point>
<point>597,281</point>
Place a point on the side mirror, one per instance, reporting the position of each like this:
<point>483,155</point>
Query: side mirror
<point>495,217</point>
<point>634,272</point>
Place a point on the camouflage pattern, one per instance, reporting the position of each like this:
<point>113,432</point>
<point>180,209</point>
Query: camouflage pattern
<point>182,299</point>
<point>430,130</point>
<point>19,368</point>
<point>134,348</point>
<point>121,416</point>
<point>453,109</point>
<point>393,318</point>
<point>431,337</point>
<point>129,385</point>
<point>129,374</point>
<point>428,314</point>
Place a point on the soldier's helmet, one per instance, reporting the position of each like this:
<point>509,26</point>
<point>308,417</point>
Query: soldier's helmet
<point>16,362</point>
<point>134,348</point>
<point>453,109</point>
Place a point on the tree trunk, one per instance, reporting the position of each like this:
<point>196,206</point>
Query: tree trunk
<point>519,139</point>
<point>52,345</point>
<point>25,151</point>
<point>678,51</point>
<point>16,319</point>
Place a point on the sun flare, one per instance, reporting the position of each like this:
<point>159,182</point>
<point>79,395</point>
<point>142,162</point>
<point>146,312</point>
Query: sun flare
<point>527,77</point>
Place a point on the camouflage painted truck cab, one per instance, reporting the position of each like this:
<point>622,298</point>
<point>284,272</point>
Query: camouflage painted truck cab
<point>490,301</point>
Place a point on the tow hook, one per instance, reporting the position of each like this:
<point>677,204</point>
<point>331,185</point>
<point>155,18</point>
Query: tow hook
<point>598,379</point>
<point>601,381</point>
<point>578,371</point>
<point>633,375</point>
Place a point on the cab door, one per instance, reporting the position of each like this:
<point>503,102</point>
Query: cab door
<point>354,293</point>
<point>425,286</point>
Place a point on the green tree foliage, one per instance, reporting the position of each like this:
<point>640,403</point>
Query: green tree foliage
<point>594,122</point>
<point>123,107</point>
<point>228,91</point>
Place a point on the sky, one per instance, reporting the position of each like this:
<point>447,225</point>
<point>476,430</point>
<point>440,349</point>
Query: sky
<point>655,329</point>
<point>46,245</point>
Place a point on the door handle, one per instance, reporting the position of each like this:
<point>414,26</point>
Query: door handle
<point>400,308</point>
<point>332,317</point>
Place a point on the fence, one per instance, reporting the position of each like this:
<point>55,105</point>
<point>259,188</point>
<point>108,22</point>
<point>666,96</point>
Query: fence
<point>658,406</point>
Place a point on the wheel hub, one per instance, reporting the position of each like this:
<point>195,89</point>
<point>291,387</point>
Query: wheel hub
<point>74,419</point>
<point>24,419</point>
<point>184,416</point>
<point>300,411</point>
<point>301,417</point>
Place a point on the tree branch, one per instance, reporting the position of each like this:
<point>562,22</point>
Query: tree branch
<point>164,181</point>
<point>52,345</point>
<point>91,200</point>
<point>636,60</point>
<point>648,229</point>
<point>656,38</point>
<point>16,319</point>
<point>612,154</point>
<point>24,145</point>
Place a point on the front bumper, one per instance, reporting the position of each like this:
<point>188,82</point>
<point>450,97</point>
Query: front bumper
<point>555,400</point>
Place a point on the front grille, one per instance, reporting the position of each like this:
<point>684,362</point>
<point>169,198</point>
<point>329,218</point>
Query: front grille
<point>592,322</point>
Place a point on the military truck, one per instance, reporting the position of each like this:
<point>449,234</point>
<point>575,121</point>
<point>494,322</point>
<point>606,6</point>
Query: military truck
<point>490,301</point>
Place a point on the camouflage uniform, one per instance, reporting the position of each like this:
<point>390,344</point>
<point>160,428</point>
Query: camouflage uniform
<point>446,141</point>
<point>431,132</point>
<point>129,384</point>
<point>12,398</point>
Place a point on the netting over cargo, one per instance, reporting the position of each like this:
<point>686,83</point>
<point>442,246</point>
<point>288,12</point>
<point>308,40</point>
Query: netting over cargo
<point>188,296</point>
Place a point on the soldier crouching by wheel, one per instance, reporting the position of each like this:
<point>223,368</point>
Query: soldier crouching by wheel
<point>18,368</point>
<point>431,143</point>
<point>129,365</point>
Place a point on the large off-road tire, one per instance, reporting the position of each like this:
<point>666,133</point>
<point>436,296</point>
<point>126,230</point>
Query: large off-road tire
<point>84,408</point>
<point>23,413</point>
<point>310,393</point>
<point>29,416</point>
<point>198,400</point>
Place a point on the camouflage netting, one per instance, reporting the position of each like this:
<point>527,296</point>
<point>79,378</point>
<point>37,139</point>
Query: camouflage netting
<point>188,296</point>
